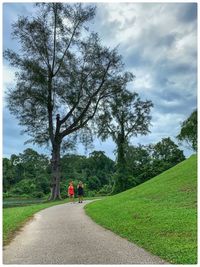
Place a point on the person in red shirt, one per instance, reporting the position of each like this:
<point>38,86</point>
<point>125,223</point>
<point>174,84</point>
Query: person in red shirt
<point>71,192</point>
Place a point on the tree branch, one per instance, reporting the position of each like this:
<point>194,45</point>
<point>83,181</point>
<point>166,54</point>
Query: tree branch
<point>50,111</point>
<point>54,37</point>
<point>73,33</point>
<point>70,128</point>
<point>78,100</point>
<point>89,118</point>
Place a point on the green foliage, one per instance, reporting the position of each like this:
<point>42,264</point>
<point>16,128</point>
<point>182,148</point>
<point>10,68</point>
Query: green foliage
<point>38,194</point>
<point>159,215</point>
<point>90,193</point>
<point>124,116</point>
<point>94,183</point>
<point>188,131</point>
<point>107,189</point>
<point>28,173</point>
<point>24,186</point>
<point>7,174</point>
<point>6,195</point>
<point>94,171</point>
<point>123,181</point>
<point>64,76</point>
<point>167,151</point>
<point>145,162</point>
<point>139,162</point>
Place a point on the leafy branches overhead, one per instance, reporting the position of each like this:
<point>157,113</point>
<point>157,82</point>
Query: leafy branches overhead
<point>126,114</point>
<point>64,77</point>
<point>62,70</point>
<point>188,131</point>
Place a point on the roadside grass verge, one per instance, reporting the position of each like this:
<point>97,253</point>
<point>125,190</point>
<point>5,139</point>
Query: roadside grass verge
<point>14,218</point>
<point>159,215</point>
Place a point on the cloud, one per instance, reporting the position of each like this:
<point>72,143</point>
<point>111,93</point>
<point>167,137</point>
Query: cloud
<point>13,140</point>
<point>158,42</point>
<point>11,11</point>
<point>188,13</point>
<point>8,77</point>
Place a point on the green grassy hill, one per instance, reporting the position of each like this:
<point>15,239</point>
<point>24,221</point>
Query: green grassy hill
<point>159,215</point>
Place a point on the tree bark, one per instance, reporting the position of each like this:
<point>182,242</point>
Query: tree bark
<point>55,165</point>
<point>121,142</point>
<point>121,162</point>
<point>121,177</point>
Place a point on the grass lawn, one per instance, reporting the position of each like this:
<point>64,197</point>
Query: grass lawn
<point>159,215</point>
<point>15,218</point>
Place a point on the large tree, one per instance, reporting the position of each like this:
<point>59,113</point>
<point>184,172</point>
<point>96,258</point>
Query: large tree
<point>139,162</point>
<point>165,154</point>
<point>64,75</point>
<point>188,131</point>
<point>145,162</point>
<point>126,115</point>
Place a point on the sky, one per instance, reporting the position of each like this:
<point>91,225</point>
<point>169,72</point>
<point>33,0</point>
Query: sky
<point>158,43</point>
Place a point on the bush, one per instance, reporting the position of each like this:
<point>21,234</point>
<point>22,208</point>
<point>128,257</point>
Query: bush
<point>38,194</point>
<point>123,181</point>
<point>25,196</point>
<point>43,184</point>
<point>64,194</point>
<point>7,194</point>
<point>107,189</point>
<point>25,186</point>
<point>89,193</point>
<point>93,183</point>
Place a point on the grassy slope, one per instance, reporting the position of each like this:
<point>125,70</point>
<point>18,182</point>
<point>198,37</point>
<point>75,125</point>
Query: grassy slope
<point>159,215</point>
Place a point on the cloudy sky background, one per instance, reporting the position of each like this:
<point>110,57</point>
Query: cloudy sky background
<point>158,43</point>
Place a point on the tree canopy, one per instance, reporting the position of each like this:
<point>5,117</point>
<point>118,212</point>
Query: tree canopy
<point>188,131</point>
<point>64,76</point>
<point>124,116</point>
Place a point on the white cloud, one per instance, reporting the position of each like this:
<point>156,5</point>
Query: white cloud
<point>159,45</point>
<point>8,75</point>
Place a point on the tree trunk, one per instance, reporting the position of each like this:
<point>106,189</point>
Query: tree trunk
<point>121,174</point>
<point>55,166</point>
<point>121,161</point>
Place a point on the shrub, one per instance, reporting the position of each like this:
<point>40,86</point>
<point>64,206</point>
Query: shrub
<point>25,186</point>
<point>38,194</point>
<point>107,189</point>
<point>7,194</point>
<point>64,194</point>
<point>93,183</point>
<point>123,181</point>
<point>89,193</point>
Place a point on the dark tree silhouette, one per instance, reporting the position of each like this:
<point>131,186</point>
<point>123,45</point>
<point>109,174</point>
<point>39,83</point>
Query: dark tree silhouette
<point>124,116</point>
<point>64,75</point>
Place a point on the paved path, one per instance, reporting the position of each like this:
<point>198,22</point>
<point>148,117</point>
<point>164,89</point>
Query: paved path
<point>63,234</point>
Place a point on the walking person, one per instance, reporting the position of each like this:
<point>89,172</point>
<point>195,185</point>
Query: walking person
<point>71,192</point>
<point>80,192</point>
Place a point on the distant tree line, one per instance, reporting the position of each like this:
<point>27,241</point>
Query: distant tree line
<point>28,174</point>
<point>145,162</point>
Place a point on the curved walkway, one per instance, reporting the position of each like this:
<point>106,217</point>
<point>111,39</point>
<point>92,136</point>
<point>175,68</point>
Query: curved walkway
<point>63,234</point>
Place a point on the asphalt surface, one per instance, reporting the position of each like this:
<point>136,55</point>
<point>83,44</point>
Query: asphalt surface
<point>64,234</point>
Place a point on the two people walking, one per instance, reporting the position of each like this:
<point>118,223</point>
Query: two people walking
<point>71,192</point>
